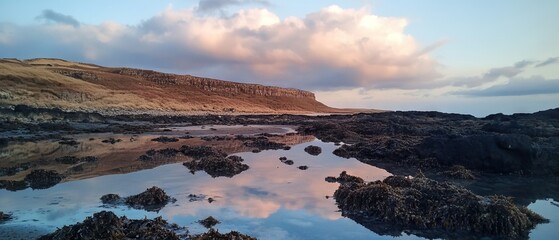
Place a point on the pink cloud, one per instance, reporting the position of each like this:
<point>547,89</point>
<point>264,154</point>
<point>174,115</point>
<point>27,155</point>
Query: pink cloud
<point>330,48</point>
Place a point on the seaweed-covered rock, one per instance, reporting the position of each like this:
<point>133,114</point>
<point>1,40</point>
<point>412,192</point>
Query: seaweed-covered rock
<point>153,199</point>
<point>425,206</point>
<point>145,158</point>
<point>459,172</point>
<point>5,217</point>
<point>74,159</point>
<point>313,150</point>
<point>11,185</point>
<point>70,142</point>
<point>111,198</point>
<point>217,166</point>
<point>112,140</point>
<point>164,139</point>
<point>209,222</point>
<point>288,162</point>
<point>213,234</point>
<point>42,179</point>
<point>106,225</point>
<point>198,152</point>
<point>10,171</point>
<point>330,179</point>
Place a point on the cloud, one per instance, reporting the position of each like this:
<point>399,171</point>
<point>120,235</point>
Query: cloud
<point>548,62</point>
<point>212,5</point>
<point>492,75</point>
<point>517,87</point>
<point>332,48</point>
<point>50,15</point>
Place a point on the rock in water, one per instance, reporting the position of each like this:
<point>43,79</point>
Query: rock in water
<point>42,179</point>
<point>217,166</point>
<point>106,225</point>
<point>153,199</point>
<point>110,199</point>
<point>426,206</point>
<point>213,234</point>
<point>209,222</point>
<point>5,217</point>
<point>313,150</point>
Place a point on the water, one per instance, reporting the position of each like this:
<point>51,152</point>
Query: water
<point>271,200</point>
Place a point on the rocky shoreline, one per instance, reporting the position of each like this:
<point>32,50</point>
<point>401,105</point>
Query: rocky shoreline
<point>458,154</point>
<point>423,206</point>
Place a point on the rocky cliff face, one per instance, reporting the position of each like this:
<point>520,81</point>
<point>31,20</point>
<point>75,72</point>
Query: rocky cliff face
<point>216,86</point>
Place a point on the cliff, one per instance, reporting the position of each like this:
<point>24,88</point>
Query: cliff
<point>215,86</point>
<point>73,86</point>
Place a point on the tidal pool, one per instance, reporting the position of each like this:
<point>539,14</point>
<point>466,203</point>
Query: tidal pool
<point>271,200</point>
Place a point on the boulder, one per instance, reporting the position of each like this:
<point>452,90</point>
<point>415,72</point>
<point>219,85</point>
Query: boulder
<point>428,207</point>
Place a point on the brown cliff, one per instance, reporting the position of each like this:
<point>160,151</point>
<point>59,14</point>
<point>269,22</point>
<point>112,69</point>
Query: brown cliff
<point>73,86</point>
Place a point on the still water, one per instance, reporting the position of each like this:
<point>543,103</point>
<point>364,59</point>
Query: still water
<point>271,200</point>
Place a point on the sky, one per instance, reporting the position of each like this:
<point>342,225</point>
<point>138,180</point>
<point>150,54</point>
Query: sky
<point>475,57</point>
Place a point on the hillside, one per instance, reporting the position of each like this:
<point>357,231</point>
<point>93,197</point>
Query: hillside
<point>71,86</point>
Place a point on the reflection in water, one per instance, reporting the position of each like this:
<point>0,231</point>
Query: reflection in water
<point>271,200</point>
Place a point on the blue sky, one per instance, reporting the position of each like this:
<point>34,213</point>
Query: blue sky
<point>452,56</point>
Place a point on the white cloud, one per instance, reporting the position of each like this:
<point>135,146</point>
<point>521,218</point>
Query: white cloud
<point>329,49</point>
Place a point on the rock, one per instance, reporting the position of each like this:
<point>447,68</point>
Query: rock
<point>106,225</point>
<point>74,160</point>
<point>459,172</point>
<point>198,152</point>
<point>10,171</point>
<point>425,206</point>
<point>313,150</point>
<point>42,179</point>
<point>151,152</point>
<point>164,139</point>
<point>4,217</point>
<point>213,234</point>
<point>217,166</point>
<point>289,162</point>
<point>209,222</point>
<point>67,160</point>
<point>487,152</point>
<point>70,142</point>
<point>13,186</point>
<point>303,167</point>
<point>330,179</point>
<point>196,198</point>
<point>346,178</point>
<point>145,158</point>
<point>111,199</point>
<point>153,199</point>
<point>112,140</point>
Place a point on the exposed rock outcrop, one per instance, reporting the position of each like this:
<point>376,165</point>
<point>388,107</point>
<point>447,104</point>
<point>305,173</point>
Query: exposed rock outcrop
<point>425,206</point>
<point>217,86</point>
<point>213,234</point>
<point>520,143</point>
<point>153,199</point>
<point>313,150</point>
<point>106,225</point>
<point>5,217</point>
<point>218,166</point>
<point>42,179</point>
